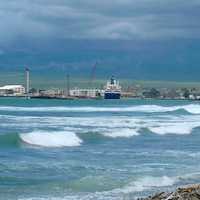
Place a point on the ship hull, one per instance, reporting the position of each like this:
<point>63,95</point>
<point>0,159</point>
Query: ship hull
<point>112,95</point>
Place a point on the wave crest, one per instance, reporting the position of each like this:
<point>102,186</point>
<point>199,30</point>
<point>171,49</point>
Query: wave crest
<point>118,133</point>
<point>191,108</point>
<point>147,183</point>
<point>51,139</point>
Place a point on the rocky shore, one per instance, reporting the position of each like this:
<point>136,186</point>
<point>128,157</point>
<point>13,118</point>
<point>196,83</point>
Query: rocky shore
<point>191,192</point>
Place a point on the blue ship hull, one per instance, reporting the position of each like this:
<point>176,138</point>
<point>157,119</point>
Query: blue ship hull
<point>111,95</point>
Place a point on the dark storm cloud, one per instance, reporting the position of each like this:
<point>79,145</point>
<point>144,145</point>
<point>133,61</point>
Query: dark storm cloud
<point>117,19</point>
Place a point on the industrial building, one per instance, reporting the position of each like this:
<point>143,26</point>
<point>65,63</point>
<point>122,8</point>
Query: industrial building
<point>12,90</point>
<point>85,93</point>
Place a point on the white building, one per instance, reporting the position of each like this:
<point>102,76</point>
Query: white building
<point>85,93</point>
<point>12,90</point>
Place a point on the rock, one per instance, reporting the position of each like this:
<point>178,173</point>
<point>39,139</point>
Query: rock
<point>191,192</point>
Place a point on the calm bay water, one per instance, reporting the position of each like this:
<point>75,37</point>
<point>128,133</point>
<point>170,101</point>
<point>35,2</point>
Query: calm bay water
<point>86,149</point>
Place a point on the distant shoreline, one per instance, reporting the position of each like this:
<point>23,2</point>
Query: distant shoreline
<point>79,98</point>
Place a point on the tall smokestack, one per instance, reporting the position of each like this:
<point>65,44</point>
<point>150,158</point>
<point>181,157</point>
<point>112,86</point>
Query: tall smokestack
<point>27,81</point>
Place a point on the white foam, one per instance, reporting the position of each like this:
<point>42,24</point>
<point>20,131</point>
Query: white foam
<point>51,139</point>
<point>120,126</point>
<point>173,128</point>
<point>191,108</point>
<point>123,132</point>
<point>194,155</point>
<point>117,194</point>
<point>113,126</point>
<point>147,183</point>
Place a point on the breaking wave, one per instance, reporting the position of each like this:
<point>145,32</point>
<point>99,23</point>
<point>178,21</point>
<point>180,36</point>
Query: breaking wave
<point>51,139</point>
<point>147,183</point>
<point>174,128</point>
<point>123,126</point>
<point>125,132</point>
<point>191,108</point>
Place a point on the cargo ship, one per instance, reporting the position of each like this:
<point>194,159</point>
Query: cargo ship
<point>112,89</point>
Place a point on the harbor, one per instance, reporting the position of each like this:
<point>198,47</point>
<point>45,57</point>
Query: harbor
<point>99,100</point>
<point>113,88</point>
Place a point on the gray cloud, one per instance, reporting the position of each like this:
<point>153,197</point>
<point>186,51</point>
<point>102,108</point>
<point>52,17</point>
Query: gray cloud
<point>119,19</point>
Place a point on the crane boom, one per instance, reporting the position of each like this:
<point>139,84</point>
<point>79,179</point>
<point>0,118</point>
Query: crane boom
<point>92,76</point>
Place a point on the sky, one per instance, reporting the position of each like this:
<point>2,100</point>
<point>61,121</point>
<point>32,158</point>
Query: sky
<point>45,27</point>
<point>117,19</point>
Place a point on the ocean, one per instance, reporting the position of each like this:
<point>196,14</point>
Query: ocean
<point>97,149</point>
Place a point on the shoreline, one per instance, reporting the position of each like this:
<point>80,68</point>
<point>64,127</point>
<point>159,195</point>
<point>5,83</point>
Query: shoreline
<point>92,98</point>
<point>188,192</point>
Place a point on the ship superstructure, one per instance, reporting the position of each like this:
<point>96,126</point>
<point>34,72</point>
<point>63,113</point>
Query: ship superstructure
<point>112,89</point>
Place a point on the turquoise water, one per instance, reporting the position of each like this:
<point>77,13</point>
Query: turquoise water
<point>86,149</point>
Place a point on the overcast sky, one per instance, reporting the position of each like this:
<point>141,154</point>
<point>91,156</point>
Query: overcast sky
<point>99,19</point>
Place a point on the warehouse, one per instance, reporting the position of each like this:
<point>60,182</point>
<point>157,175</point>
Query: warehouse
<point>12,90</point>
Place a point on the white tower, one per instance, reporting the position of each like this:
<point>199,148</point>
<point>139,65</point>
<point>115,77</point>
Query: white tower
<point>27,81</point>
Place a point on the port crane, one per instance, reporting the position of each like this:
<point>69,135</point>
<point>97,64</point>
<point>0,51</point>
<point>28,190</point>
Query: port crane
<point>92,76</point>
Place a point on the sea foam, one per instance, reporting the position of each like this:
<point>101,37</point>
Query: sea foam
<point>147,183</point>
<point>191,108</point>
<point>51,139</point>
<point>115,126</point>
<point>123,132</point>
<point>174,128</point>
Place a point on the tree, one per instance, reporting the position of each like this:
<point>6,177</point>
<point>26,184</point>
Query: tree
<point>186,93</point>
